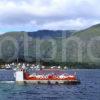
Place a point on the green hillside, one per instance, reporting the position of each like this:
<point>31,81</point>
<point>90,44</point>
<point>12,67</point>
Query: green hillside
<point>90,37</point>
<point>89,33</point>
<point>22,38</point>
<point>67,50</point>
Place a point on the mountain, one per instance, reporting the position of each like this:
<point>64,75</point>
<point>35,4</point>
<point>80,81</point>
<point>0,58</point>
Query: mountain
<point>12,41</point>
<point>50,33</point>
<point>90,39</point>
<point>80,47</point>
<point>89,33</point>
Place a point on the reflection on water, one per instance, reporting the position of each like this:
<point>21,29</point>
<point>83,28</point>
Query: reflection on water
<point>89,89</point>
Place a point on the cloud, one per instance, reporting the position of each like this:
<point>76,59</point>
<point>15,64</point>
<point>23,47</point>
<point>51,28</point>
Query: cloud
<point>49,14</point>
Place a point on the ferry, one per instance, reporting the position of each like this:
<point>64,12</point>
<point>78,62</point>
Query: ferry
<point>47,76</point>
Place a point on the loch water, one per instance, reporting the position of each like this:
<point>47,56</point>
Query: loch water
<point>89,89</point>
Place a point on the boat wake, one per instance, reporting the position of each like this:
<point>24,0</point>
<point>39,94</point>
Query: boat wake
<point>7,82</point>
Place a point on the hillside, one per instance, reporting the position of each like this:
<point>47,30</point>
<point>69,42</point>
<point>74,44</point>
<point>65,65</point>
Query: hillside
<point>90,38</point>
<point>66,52</point>
<point>89,33</point>
<point>22,38</point>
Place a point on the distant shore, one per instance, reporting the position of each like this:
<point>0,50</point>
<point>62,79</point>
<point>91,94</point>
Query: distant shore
<point>56,65</point>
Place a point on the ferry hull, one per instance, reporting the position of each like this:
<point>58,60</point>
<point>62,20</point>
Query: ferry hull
<point>70,82</point>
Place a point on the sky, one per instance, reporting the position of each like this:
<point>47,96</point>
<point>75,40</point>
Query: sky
<point>32,15</point>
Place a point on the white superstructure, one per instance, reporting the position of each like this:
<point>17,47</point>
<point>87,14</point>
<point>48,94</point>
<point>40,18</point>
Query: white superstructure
<point>19,76</point>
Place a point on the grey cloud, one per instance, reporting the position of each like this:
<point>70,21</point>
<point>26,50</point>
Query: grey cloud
<point>49,12</point>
